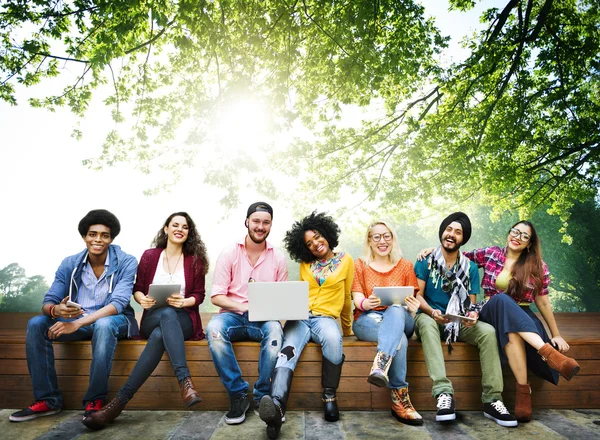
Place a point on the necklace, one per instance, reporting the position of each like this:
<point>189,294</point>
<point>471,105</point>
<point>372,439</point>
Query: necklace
<point>169,266</point>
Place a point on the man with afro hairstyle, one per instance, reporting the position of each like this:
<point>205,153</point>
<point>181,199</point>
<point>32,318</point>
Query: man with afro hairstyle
<point>89,299</point>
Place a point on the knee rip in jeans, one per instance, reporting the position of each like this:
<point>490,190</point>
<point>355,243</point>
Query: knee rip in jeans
<point>215,335</point>
<point>274,343</point>
<point>288,352</point>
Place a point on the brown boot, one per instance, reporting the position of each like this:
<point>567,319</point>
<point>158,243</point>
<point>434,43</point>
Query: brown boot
<point>402,408</point>
<point>523,403</point>
<point>108,413</point>
<point>566,366</point>
<point>188,393</point>
<point>379,371</point>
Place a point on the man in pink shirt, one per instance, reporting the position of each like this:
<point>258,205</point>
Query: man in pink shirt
<point>250,259</point>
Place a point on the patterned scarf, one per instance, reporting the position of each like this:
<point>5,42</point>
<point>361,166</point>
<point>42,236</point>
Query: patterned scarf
<point>455,284</point>
<point>321,269</point>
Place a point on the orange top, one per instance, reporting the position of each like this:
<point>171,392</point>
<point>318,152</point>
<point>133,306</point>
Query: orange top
<point>365,278</point>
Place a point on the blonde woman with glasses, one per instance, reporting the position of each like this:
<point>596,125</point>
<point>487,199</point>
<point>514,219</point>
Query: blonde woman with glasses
<point>382,265</point>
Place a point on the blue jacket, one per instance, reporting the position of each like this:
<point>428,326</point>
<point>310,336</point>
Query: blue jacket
<point>121,275</point>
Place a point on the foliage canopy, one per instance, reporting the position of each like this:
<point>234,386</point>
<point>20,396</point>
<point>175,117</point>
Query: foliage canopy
<point>516,123</point>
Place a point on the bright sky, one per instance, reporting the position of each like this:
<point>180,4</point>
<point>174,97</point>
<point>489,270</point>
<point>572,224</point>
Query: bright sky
<point>45,190</point>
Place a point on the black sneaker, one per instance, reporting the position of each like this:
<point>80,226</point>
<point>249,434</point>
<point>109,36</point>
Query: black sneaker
<point>497,412</point>
<point>37,409</point>
<point>445,405</point>
<point>93,406</point>
<point>238,406</point>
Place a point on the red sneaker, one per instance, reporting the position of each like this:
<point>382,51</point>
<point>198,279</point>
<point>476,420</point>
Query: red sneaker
<point>37,409</point>
<point>93,406</point>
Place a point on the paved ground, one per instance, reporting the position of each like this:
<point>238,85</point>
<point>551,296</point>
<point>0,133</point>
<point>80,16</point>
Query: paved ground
<point>158,425</point>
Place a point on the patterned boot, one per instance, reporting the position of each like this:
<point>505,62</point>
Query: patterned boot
<point>379,371</point>
<point>402,408</point>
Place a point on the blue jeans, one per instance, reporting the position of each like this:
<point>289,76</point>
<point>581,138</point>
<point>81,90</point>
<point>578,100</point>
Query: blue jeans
<point>390,328</point>
<point>228,327</point>
<point>104,334</point>
<point>323,330</point>
<point>168,329</point>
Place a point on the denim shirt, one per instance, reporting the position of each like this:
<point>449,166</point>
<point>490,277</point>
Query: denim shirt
<point>120,274</point>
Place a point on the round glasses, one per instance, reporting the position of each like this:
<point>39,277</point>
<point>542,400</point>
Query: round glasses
<point>519,234</point>
<point>377,237</point>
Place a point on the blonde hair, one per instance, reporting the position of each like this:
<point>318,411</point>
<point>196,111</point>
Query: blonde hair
<point>367,255</point>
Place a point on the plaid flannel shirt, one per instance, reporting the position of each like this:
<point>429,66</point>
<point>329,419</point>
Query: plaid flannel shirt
<point>492,261</point>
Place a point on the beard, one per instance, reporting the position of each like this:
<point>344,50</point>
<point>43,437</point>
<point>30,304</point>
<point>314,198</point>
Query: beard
<point>255,239</point>
<point>450,247</point>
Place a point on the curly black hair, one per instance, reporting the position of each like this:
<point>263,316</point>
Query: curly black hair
<point>192,246</point>
<point>320,222</point>
<point>100,217</point>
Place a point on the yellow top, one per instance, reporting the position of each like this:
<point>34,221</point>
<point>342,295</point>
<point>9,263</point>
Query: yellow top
<point>333,297</point>
<point>502,280</point>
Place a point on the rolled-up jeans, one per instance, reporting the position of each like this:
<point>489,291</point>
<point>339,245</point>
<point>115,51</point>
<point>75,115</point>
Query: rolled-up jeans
<point>104,334</point>
<point>227,327</point>
<point>390,328</point>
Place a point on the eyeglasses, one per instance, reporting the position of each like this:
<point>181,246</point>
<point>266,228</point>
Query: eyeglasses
<point>377,237</point>
<point>519,234</point>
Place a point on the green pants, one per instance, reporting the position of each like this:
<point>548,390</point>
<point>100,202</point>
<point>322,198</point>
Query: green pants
<point>481,335</point>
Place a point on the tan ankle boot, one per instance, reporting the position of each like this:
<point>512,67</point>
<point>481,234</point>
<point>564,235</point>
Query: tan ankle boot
<point>379,371</point>
<point>402,408</point>
<point>566,366</point>
<point>523,403</point>
<point>188,393</point>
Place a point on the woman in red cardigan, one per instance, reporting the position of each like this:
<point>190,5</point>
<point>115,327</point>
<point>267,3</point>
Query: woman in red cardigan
<point>179,257</point>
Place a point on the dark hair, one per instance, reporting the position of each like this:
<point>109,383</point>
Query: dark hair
<point>528,268</point>
<point>99,217</point>
<point>294,238</point>
<point>193,246</point>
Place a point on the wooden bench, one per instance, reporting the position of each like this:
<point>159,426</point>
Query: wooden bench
<point>161,391</point>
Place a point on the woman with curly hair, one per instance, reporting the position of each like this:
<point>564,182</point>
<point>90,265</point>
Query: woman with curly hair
<point>312,241</point>
<point>179,257</point>
<point>382,265</point>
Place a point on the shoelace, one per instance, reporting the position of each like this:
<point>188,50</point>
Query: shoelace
<point>499,406</point>
<point>187,384</point>
<point>406,401</point>
<point>112,403</point>
<point>444,401</point>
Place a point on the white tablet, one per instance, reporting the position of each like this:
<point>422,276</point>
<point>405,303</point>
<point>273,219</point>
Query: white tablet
<point>458,318</point>
<point>160,293</point>
<point>393,294</point>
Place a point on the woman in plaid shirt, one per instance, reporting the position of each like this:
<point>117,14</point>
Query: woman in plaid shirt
<point>514,277</point>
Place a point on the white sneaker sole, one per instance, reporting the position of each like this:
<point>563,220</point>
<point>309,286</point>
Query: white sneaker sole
<point>33,416</point>
<point>505,423</point>
<point>237,420</point>
<point>445,417</point>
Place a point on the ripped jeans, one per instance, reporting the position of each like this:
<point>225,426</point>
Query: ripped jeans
<point>323,330</point>
<point>228,327</point>
<point>391,329</point>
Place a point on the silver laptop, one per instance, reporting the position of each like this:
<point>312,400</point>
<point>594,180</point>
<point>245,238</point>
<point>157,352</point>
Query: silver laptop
<point>393,294</point>
<point>276,301</point>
